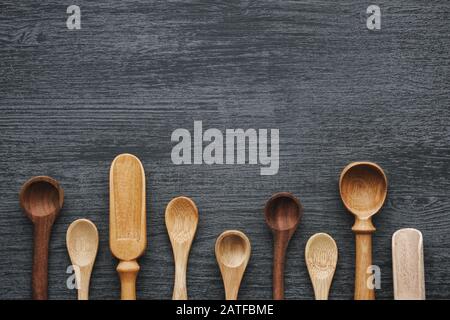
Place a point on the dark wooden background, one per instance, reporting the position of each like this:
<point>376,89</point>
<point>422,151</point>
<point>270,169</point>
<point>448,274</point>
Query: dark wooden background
<point>70,101</point>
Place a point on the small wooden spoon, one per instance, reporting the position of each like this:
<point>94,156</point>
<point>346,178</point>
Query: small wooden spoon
<point>127,219</point>
<point>283,212</point>
<point>41,198</point>
<point>363,188</point>
<point>408,269</point>
<point>321,256</point>
<point>82,245</point>
<point>232,253</point>
<point>181,223</point>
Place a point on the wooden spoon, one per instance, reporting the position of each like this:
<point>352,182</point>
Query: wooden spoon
<point>321,256</point>
<point>408,269</point>
<point>82,245</point>
<point>283,212</point>
<point>41,198</point>
<point>181,223</point>
<point>127,220</point>
<point>232,254</point>
<point>363,188</point>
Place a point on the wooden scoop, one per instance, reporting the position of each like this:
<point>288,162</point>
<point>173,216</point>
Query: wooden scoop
<point>321,256</point>
<point>181,223</point>
<point>127,220</point>
<point>232,254</point>
<point>283,212</point>
<point>82,245</point>
<point>363,188</point>
<point>407,260</point>
<point>41,198</point>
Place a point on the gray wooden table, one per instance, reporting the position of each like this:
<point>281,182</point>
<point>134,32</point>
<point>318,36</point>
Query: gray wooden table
<point>70,100</point>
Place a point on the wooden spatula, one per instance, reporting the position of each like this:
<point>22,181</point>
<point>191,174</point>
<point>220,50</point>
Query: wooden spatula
<point>127,221</point>
<point>407,260</point>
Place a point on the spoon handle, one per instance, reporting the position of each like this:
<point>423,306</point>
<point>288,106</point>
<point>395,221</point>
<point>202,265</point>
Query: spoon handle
<point>128,271</point>
<point>179,289</point>
<point>281,240</point>
<point>83,277</point>
<point>42,229</point>
<point>321,288</point>
<point>363,289</point>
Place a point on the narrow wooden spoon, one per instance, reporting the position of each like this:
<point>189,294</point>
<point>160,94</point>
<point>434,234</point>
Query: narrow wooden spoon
<point>232,253</point>
<point>82,245</point>
<point>363,188</point>
<point>181,223</point>
<point>321,255</point>
<point>127,219</point>
<point>408,269</point>
<point>283,212</point>
<point>41,198</point>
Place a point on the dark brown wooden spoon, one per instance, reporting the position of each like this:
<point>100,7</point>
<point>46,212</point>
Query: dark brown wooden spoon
<point>283,212</point>
<point>41,198</point>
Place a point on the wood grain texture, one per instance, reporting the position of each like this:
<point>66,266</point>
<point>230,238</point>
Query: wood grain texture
<point>233,251</point>
<point>70,101</point>
<point>82,246</point>
<point>363,189</point>
<point>41,198</point>
<point>321,256</point>
<point>283,213</point>
<point>407,265</point>
<point>181,222</point>
<point>127,219</point>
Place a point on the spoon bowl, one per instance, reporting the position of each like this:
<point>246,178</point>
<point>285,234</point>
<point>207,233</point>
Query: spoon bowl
<point>363,188</point>
<point>181,219</point>
<point>283,212</point>
<point>41,198</point>
<point>181,222</point>
<point>232,248</point>
<point>321,256</point>
<point>82,245</point>
<point>232,253</point>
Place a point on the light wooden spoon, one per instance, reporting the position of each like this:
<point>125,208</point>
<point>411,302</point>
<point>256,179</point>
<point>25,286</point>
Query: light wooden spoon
<point>408,269</point>
<point>321,255</point>
<point>363,188</point>
<point>127,219</point>
<point>232,253</point>
<point>181,222</point>
<point>82,245</point>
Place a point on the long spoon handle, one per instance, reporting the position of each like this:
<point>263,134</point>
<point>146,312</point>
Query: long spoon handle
<point>279,256</point>
<point>128,271</point>
<point>42,229</point>
<point>363,289</point>
<point>83,277</point>
<point>179,289</point>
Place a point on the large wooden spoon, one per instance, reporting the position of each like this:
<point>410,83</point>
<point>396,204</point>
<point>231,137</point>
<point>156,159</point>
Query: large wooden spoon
<point>363,188</point>
<point>181,222</point>
<point>232,253</point>
<point>321,255</point>
<point>82,245</point>
<point>41,198</point>
<point>407,265</point>
<point>127,220</point>
<point>283,212</point>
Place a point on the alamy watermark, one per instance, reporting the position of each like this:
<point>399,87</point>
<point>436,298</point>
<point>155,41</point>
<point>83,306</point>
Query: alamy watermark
<point>236,146</point>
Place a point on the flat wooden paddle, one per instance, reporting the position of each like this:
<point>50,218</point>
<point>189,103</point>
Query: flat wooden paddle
<point>407,265</point>
<point>127,220</point>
